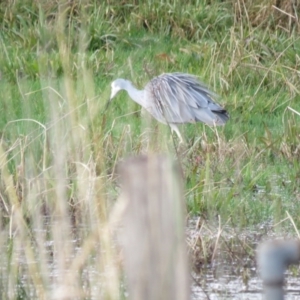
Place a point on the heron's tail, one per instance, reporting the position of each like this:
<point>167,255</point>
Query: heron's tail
<point>222,116</point>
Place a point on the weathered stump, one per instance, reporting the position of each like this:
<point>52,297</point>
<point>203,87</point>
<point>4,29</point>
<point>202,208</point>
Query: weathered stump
<point>153,236</point>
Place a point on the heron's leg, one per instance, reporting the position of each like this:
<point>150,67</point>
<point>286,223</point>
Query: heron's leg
<point>175,128</point>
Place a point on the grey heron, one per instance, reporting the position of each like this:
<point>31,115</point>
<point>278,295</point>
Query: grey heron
<point>175,98</point>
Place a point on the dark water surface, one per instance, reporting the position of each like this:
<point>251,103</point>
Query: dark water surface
<point>231,274</point>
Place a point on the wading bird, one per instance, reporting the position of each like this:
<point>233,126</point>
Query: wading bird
<point>175,98</point>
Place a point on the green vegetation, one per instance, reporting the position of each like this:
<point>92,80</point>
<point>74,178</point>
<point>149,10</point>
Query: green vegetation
<point>59,151</point>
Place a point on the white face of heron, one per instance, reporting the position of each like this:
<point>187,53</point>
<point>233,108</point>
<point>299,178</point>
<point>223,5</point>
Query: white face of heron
<point>116,86</point>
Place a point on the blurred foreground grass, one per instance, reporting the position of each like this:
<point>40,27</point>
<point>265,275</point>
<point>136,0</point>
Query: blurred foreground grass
<point>59,151</point>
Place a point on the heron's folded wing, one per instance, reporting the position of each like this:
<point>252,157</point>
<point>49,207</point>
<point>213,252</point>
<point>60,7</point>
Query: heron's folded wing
<point>181,98</point>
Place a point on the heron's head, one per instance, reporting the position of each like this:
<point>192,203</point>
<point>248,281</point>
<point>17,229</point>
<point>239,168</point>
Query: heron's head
<point>116,86</point>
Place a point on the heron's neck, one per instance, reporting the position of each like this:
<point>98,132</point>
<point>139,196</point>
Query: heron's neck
<point>135,94</point>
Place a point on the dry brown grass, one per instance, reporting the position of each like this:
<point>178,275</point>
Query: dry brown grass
<point>282,14</point>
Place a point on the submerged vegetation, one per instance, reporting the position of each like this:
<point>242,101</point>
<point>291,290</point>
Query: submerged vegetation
<point>59,150</point>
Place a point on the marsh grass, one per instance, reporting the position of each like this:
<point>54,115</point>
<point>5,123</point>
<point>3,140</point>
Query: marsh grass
<point>59,150</point>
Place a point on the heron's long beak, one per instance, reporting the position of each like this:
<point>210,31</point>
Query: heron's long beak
<point>107,104</point>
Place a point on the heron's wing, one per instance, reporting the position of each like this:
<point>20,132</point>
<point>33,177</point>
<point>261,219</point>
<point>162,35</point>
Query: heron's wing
<point>182,98</point>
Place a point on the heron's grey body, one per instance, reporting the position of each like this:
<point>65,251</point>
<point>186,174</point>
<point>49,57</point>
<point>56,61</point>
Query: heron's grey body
<point>175,98</point>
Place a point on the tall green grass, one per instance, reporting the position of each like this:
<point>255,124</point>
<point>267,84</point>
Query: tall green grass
<point>59,150</point>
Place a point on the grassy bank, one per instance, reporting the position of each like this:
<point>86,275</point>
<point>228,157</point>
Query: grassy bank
<point>59,151</point>
<point>74,52</point>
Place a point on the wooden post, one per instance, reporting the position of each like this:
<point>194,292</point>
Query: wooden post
<point>153,236</point>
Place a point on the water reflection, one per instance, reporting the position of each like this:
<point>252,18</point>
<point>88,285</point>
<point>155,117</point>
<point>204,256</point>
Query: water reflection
<point>231,274</point>
<point>230,286</point>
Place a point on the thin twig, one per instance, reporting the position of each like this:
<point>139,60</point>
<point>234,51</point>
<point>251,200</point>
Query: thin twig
<point>294,225</point>
<point>294,111</point>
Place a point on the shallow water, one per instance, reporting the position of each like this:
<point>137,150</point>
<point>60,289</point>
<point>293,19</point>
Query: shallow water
<point>210,285</point>
<point>231,275</point>
<point>230,286</point>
